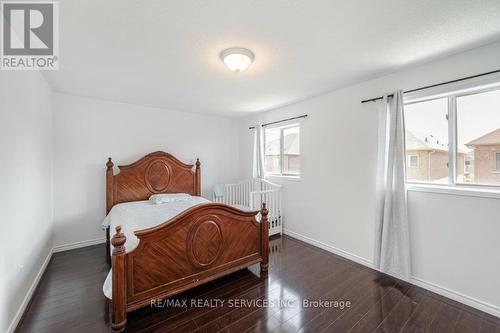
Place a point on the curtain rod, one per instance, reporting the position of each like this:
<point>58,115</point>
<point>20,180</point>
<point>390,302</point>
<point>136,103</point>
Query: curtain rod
<point>280,121</point>
<point>433,85</point>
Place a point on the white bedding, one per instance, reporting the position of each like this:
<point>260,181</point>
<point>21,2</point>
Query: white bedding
<point>139,215</point>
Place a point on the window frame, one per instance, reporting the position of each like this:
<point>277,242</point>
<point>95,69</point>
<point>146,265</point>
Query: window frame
<point>409,161</point>
<point>465,167</point>
<point>282,129</point>
<point>451,96</point>
<point>496,168</point>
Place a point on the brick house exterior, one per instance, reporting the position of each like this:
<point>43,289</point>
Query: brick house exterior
<point>486,158</point>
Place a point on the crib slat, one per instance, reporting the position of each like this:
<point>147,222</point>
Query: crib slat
<point>252,193</point>
<point>246,194</point>
<point>226,197</point>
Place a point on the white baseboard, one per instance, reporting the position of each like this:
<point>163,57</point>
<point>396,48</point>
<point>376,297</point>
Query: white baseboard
<point>451,294</point>
<point>456,296</point>
<point>329,248</point>
<point>19,314</point>
<point>77,245</point>
<point>60,248</point>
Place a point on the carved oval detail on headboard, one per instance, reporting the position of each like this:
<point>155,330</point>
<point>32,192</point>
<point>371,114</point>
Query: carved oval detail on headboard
<point>205,242</point>
<point>157,176</point>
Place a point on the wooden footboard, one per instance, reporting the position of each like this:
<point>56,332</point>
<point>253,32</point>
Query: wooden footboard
<point>197,246</point>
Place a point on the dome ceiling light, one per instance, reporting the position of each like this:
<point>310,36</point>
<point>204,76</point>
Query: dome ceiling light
<point>237,59</point>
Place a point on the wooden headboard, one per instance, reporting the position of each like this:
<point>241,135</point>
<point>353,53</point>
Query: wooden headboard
<point>158,172</point>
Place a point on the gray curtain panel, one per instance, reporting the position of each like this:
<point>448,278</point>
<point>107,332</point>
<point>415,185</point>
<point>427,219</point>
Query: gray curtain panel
<point>392,238</point>
<point>258,152</point>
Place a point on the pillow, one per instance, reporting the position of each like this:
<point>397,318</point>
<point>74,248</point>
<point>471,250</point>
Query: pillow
<point>168,197</point>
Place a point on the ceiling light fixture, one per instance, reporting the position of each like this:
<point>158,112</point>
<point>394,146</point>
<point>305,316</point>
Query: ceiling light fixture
<point>237,59</point>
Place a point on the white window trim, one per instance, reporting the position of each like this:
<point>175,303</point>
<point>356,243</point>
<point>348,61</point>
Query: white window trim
<point>461,190</point>
<point>462,88</point>
<point>453,187</point>
<point>282,127</point>
<point>283,177</point>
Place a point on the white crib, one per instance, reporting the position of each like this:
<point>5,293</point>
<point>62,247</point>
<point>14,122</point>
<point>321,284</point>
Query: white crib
<point>249,195</point>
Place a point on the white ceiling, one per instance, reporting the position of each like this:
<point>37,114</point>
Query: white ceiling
<point>166,53</point>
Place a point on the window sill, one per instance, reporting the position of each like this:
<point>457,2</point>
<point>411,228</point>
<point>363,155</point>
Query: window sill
<point>278,177</point>
<point>469,191</point>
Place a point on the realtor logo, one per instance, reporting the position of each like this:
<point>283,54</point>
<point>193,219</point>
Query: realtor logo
<point>30,36</point>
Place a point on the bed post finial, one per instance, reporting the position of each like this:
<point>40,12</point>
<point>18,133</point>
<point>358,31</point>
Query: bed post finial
<point>109,203</point>
<point>109,164</point>
<point>264,211</point>
<point>264,238</point>
<point>118,241</point>
<point>197,179</point>
<point>109,185</point>
<point>119,314</point>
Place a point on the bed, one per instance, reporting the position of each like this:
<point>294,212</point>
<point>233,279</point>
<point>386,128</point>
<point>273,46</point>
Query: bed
<point>201,243</point>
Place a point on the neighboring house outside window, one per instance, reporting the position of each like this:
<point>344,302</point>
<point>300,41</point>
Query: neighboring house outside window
<point>486,158</point>
<point>282,150</point>
<point>431,162</point>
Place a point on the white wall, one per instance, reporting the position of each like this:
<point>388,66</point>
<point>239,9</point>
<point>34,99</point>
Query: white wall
<point>455,245</point>
<point>454,238</point>
<point>26,189</point>
<point>88,131</point>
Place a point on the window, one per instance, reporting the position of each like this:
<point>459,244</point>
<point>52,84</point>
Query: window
<point>455,139</point>
<point>478,137</point>
<point>426,128</point>
<point>497,162</point>
<point>413,161</point>
<point>467,168</point>
<point>282,150</point>
<point>272,151</point>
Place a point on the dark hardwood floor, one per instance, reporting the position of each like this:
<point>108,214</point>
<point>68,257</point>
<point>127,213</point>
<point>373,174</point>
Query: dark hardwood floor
<point>70,299</point>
